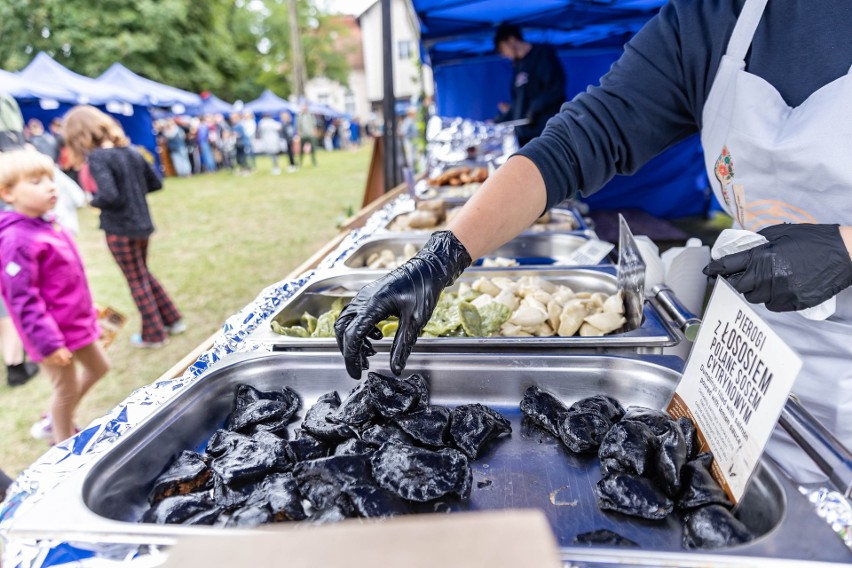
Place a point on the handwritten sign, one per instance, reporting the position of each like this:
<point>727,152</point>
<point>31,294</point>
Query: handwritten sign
<point>735,385</point>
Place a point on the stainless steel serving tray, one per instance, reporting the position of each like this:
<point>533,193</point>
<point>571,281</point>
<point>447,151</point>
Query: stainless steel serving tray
<point>530,249</point>
<point>557,216</point>
<point>654,333</point>
<point>528,469</point>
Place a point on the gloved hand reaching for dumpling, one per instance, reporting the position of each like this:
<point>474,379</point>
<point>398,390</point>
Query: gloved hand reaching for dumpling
<point>801,266</point>
<point>410,292</point>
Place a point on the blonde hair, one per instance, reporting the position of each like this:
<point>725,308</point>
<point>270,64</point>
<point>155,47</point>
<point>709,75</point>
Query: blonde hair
<point>20,164</point>
<point>86,128</point>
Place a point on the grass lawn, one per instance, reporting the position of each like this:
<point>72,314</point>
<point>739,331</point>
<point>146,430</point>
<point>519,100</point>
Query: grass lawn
<point>220,240</point>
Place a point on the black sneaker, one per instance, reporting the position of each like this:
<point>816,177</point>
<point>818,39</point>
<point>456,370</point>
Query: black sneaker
<point>21,373</point>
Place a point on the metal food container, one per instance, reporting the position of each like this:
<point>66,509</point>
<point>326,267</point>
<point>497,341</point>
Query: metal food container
<point>529,249</point>
<point>560,221</point>
<point>651,337</point>
<point>529,469</point>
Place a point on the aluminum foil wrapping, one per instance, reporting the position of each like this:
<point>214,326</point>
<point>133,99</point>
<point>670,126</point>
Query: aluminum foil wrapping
<point>46,473</point>
<point>452,141</point>
<point>834,509</point>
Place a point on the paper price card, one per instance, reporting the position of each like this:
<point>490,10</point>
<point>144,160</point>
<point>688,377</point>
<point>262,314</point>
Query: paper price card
<point>734,387</point>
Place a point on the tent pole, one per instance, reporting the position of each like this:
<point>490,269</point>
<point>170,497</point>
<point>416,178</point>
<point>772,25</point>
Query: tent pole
<point>389,103</point>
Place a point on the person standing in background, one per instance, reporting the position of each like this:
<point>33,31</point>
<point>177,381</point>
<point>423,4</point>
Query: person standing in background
<point>176,145</point>
<point>538,83</point>
<point>288,134</point>
<point>18,370</point>
<point>242,143</point>
<point>42,141</point>
<point>269,134</point>
<point>203,137</point>
<point>409,132</point>
<point>124,179</point>
<point>307,125</point>
<point>250,128</point>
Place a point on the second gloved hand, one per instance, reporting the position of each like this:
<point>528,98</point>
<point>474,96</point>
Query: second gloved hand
<point>800,267</point>
<point>410,292</point>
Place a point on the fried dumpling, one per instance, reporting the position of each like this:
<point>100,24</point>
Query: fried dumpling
<point>186,474</point>
<point>472,426</point>
<point>632,495</point>
<point>713,526</point>
<point>698,488</point>
<point>417,474</point>
<point>429,426</point>
<point>544,409</point>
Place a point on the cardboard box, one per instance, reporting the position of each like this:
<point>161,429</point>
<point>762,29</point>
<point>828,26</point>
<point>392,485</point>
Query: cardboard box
<point>500,539</point>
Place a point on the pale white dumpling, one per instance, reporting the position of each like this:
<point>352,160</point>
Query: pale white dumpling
<point>571,318</point>
<point>588,330</point>
<point>614,304</point>
<point>606,321</point>
<point>486,286</point>
<point>554,310</point>
<point>508,299</point>
<point>527,316</point>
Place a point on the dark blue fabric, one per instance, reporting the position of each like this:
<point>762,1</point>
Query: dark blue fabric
<point>654,95</point>
<point>139,127</point>
<point>670,186</point>
<point>458,29</point>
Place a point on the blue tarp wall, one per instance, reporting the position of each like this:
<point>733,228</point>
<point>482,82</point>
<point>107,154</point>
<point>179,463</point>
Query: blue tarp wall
<point>456,38</point>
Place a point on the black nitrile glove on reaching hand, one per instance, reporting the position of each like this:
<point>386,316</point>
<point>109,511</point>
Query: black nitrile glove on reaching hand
<point>410,292</point>
<point>800,267</point>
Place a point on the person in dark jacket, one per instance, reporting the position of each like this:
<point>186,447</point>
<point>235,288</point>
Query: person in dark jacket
<point>538,84</point>
<point>124,179</point>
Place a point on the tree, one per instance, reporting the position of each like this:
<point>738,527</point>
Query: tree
<point>234,48</point>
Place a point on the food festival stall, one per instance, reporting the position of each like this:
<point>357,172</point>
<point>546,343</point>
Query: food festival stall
<point>97,498</point>
<point>84,499</point>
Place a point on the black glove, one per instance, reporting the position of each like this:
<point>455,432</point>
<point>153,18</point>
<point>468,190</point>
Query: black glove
<point>801,266</point>
<point>410,292</point>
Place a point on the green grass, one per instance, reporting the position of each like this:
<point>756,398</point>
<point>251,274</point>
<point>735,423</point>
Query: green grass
<point>220,240</point>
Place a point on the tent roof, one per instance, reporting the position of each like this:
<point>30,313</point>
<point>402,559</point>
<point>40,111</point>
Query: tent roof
<point>215,105</point>
<point>156,94</point>
<point>23,88</point>
<point>44,69</point>
<point>453,30</point>
<point>270,103</point>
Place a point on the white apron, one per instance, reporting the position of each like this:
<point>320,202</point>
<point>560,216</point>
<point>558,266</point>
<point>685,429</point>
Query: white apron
<point>769,163</point>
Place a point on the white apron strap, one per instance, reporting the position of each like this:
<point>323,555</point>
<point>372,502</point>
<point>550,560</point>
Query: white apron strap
<point>744,30</point>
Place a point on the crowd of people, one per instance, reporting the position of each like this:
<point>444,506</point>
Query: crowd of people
<point>209,143</point>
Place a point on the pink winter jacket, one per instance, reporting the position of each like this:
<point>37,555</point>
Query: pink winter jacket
<point>44,286</point>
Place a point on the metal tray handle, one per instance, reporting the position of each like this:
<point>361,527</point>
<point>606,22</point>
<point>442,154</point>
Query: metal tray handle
<point>832,457</point>
<point>688,322</point>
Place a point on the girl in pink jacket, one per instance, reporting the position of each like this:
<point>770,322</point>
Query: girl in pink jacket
<point>44,286</point>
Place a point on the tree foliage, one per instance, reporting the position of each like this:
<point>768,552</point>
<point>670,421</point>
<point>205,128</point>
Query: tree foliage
<point>234,48</point>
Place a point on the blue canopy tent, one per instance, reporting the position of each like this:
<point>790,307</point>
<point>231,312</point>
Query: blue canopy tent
<point>130,108</point>
<point>156,94</point>
<point>211,104</point>
<point>470,79</point>
<point>270,103</point>
<point>25,89</point>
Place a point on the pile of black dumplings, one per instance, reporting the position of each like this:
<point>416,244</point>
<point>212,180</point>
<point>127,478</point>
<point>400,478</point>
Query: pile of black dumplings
<point>648,462</point>
<point>372,455</point>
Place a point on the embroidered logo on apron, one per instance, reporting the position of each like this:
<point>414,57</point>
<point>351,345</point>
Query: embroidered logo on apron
<point>725,173</point>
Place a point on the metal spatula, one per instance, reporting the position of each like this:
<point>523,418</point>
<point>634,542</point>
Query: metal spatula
<point>631,275</point>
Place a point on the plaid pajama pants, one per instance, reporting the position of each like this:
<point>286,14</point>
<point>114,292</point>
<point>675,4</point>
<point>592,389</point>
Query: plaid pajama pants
<point>155,306</point>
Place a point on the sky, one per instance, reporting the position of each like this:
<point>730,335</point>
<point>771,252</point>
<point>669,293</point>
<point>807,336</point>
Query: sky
<point>347,6</point>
